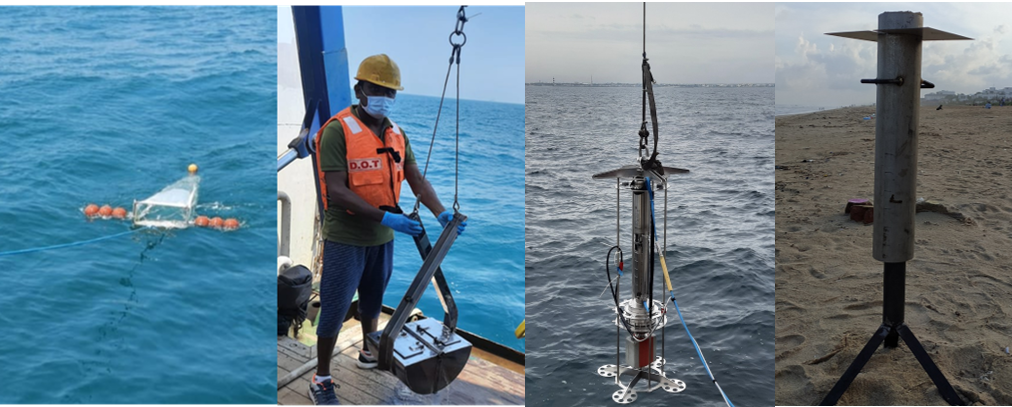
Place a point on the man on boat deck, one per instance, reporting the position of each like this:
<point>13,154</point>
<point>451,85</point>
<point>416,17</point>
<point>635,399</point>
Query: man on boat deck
<point>363,158</point>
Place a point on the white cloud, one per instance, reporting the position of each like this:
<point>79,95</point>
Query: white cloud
<point>819,70</point>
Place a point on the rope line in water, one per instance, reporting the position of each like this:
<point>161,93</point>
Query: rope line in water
<point>65,245</point>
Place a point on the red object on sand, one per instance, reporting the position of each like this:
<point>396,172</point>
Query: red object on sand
<point>852,202</point>
<point>857,213</point>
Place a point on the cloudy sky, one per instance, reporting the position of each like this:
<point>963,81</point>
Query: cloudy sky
<point>416,38</point>
<point>814,69</point>
<point>686,42</point>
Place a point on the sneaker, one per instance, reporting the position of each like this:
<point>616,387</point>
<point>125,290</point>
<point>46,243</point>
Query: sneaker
<point>322,393</point>
<point>366,360</point>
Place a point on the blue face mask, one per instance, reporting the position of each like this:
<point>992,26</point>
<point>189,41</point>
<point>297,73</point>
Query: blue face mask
<point>379,106</point>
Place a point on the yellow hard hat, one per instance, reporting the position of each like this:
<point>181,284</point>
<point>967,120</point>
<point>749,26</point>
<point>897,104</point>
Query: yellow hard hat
<point>380,70</point>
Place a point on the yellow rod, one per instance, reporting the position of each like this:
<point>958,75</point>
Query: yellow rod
<point>667,279</point>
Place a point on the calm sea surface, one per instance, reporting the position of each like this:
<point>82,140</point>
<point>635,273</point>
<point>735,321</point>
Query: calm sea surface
<point>720,241</point>
<point>108,105</point>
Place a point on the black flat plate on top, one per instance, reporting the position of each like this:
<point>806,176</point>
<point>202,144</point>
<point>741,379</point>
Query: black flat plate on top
<point>628,171</point>
<point>633,170</point>
<point>926,34</point>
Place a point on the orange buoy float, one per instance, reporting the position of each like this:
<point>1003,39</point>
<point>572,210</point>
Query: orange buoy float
<point>105,210</point>
<point>91,210</point>
<point>231,224</point>
<point>217,222</point>
<point>201,221</point>
<point>119,213</point>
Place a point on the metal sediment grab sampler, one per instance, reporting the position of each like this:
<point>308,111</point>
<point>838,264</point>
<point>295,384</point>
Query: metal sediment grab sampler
<point>897,101</point>
<point>425,355</point>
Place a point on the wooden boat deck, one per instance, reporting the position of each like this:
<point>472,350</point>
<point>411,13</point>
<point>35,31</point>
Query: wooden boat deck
<point>486,380</point>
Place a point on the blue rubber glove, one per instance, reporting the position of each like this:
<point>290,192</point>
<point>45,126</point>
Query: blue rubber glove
<point>445,218</point>
<point>401,224</point>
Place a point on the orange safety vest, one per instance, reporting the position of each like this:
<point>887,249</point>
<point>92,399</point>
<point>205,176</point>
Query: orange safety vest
<point>371,164</point>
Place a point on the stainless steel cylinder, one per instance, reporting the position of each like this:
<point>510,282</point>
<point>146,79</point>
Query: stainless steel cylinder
<point>899,56</point>
<point>641,241</point>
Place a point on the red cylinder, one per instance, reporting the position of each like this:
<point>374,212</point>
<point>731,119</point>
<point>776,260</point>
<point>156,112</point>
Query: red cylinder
<point>646,352</point>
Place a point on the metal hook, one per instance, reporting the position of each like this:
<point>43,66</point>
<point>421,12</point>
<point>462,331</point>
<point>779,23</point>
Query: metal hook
<point>461,20</point>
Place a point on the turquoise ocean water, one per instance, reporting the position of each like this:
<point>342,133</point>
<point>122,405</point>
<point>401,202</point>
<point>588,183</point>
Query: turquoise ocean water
<point>485,266</point>
<point>107,105</point>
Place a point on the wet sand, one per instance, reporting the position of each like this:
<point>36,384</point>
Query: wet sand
<point>959,284</point>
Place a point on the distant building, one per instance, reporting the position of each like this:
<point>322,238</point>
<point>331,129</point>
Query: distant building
<point>940,95</point>
<point>992,94</point>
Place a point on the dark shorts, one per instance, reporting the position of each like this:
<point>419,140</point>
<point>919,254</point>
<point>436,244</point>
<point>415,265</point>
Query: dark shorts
<point>347,268</point>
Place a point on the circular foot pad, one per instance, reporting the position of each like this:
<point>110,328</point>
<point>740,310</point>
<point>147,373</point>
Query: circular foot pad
<point>624,396</point>
<point>673,385</point>
<point>607,371</point>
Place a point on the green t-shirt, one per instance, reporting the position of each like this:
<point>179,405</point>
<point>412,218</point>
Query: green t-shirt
<point>338,225</point>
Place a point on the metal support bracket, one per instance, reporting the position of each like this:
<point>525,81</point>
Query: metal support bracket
<point>898,81</point>
<point>892,329</point>
<point>438,281</point>
<point>944,388</point>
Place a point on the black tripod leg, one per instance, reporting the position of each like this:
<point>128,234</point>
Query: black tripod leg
<point>944,388</point>
<point>855,367</point>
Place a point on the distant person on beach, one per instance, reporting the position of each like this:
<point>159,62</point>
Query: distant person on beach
<point>363,159</point>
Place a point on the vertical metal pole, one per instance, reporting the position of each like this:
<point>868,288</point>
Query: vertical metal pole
<point>664,246</point>
<point>618,282</point>
<point>664,252</point>
<point>897,106</point>
<point>618,312</point>
<point>285,241</point>
<point>893,294</point>
<point>618,341</point>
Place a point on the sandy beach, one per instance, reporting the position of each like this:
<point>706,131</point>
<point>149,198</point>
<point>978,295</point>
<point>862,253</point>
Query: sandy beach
<point>959,285</point>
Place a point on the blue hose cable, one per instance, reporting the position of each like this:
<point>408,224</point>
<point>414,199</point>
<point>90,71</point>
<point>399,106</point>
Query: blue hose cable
<point>700,353</point>
<point>61,246</point>
<point>694,344</point>
<point>651,191</point>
